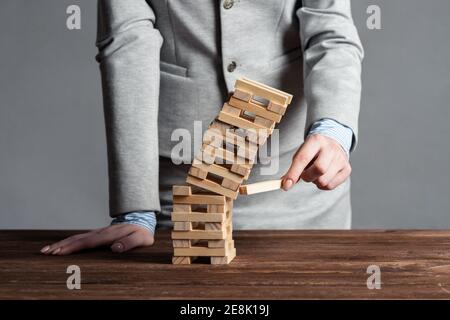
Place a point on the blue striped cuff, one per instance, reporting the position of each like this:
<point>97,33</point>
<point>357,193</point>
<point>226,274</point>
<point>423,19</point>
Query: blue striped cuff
<point>146,219</point>
<point>334,130</point>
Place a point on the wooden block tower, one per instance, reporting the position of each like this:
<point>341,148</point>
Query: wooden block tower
<point>202,210</point>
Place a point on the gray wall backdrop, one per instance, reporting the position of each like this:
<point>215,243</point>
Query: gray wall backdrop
<point>52,144</point>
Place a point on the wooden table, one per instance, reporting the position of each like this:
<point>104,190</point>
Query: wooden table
<point>269,265</point>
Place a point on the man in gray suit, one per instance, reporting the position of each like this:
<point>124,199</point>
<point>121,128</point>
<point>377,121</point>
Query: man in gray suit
<point>166,64</point>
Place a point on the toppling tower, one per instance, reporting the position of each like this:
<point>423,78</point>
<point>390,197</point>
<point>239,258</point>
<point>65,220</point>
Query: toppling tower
<point>202,210</point>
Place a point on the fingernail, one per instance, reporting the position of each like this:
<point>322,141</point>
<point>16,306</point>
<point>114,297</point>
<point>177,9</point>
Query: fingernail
<point>45,249</point>
<point>288,184</point>
<point>117,247</point>
<point>56,251</point>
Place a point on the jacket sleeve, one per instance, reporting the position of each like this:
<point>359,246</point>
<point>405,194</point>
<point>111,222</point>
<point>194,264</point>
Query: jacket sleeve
<point>128,54</point>
<point>332,62</point>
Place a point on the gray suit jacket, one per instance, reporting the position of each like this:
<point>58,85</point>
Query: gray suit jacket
<point>166,64</point>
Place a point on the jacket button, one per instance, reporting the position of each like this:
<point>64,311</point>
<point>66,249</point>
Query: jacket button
<point>232,66</point>
<point>227,4</point>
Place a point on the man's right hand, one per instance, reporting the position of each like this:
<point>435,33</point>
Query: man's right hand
<point>120,237</point>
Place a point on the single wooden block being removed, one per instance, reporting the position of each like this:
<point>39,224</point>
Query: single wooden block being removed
<point>259,187</point>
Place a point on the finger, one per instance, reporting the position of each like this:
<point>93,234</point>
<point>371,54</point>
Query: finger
<point>340,177</point>
<point>51,248</point>
<point>136,239</point>
<point>55,246</point>
<point>323,181</point>
<point>302,158</point>
<point>320,165</point>
<point>102,238</point>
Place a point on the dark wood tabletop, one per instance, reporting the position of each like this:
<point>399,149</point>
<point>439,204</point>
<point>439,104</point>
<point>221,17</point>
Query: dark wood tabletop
<point>269,265</point>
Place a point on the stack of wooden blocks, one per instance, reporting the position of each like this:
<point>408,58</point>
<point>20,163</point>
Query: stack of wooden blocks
<point>202,210</point>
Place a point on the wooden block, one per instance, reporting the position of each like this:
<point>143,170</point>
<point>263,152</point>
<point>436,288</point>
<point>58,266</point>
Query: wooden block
<point>207,157</point>
<point>181,207</point>
<point>229,217</point>
<point>213,226</point>
<point>231,110</point>
<point>210,154</point>
<point>263,91</point>
<point>254,82</point>
<point>181,190</point>
<point>259,187</point>
<point>277,108</point>
<point>259,136</point>
<point>226,259</point>
<point>198,234</point>
<point>241,170</point>
<point>200,199</point>
<point>235,139</point>
<point>229,227</point>
<point>182,243</point>
<point>230,184</point>
<point>225,226</point>
<point>238,121</point>
<point>214,208</point>
<point>217,243</point>
<point>256,108</point>
<point>219,171</point>
<point>221,243</point>
<point>248,152</point>
<point>211,186</point>
<point>182,260</point>
<point>242,95</point>
<point>230,136</point>
<point>182,226</point>
<point>199,252</point>
<point>264,122</point>
<point>221,126</point>
<point>196,172</point>
<point>213,137</point>
<point>245,149</point>
<point>227,223</point>
<point>198,217</point>
<point>207,154</point>
<point>229,204</point>
<point>223,156</point>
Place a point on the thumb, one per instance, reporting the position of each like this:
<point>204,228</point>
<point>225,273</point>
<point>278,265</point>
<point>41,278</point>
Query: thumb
<point>135,239</point>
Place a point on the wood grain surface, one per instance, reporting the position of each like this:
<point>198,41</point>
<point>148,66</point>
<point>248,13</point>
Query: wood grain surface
<point>269,265</point>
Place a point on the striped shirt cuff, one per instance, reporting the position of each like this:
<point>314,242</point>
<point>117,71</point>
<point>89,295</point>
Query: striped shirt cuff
<point>146,219</point>
<point>334,130</point>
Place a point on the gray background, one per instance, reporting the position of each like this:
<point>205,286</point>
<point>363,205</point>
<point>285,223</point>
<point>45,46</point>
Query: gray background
<point>52,143</point>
